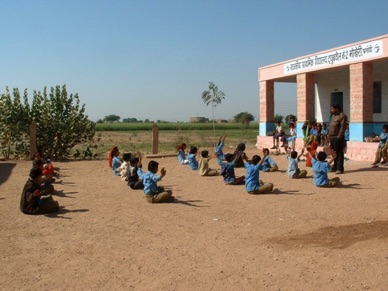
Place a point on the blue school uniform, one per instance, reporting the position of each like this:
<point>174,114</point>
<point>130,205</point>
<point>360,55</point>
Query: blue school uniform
<point>292,168</point>
<point>252,176</point>
<point>267,164</point>
<point>383,139</point>
<point>219,151</point>
<point>149,181</point>
<point>227,171</point>
<point>193,163</point>
<point>116,163</point>
<point>181,156</point>
<point>320,172</point>
<point>313,131</point>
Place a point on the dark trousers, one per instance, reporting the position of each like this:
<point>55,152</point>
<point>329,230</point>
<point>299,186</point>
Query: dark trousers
<point>337,145</point>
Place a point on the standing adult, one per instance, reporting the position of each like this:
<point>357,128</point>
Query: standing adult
<point>337,127</point>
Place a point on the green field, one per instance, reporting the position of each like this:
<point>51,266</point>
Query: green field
<point>133,137</point>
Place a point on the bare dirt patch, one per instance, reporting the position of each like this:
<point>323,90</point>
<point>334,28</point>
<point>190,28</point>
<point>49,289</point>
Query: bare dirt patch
<point>215,237</point>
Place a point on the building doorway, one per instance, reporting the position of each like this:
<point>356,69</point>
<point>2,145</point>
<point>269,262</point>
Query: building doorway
<point>337,98</point>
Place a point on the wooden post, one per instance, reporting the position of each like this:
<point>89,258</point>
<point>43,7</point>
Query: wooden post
<point>33,148</point>
<point>155,139</point>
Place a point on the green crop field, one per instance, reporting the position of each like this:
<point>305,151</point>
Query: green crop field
<point>133,137</point>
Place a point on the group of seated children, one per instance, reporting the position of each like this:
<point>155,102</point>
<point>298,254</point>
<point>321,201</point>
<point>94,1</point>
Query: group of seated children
<point>36,196</point>
<point>130,170</point>
<point>127,169</point>
<point>319,165</point>
<point>228,162</point>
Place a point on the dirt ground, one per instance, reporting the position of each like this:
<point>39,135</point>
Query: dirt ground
<point>214,237</point>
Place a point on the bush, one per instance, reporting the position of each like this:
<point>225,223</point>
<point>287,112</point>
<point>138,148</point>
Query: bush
<point>61,122</point>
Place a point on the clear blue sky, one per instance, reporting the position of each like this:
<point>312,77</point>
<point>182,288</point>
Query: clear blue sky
<point>153,59</point>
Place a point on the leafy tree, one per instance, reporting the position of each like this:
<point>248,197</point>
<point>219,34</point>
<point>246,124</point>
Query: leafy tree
<point>61,122</point>
<point>278,117</point>
<point>112,118</point>
<point>244,118</point>
<point>213,97</point>
<point>289,117</point>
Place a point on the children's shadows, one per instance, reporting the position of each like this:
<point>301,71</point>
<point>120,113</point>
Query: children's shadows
<point>184,202</point>
<point>289,192</point>
<point>60,193</point>
<point>63,211</point>
<point>350,186</point>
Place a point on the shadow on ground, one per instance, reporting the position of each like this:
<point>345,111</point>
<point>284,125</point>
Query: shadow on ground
<point>336,237</point>
<point>5,171</point>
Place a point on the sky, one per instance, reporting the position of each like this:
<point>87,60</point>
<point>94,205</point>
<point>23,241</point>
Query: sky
<point>153,59</point>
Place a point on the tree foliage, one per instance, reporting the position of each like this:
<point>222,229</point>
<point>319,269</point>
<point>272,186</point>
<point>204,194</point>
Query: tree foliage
<point>214,97</point>
<point>278,118</point>
<point>112,118</point>
<point>61,122</point>
<point>244,118</point>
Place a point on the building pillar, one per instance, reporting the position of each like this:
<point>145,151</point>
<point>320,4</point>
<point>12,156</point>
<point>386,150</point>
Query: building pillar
<point>306,100</point>
<point>361,101</point>
<point>267,107</point>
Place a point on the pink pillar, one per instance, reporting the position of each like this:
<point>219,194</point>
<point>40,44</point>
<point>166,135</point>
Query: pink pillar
<point>267,107</point>
<point>306,97</point>
<point>361,101</point>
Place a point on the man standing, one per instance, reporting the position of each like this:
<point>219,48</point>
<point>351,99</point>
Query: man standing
<point>337,127</point>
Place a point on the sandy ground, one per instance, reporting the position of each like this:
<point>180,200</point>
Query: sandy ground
<point>214,237</point>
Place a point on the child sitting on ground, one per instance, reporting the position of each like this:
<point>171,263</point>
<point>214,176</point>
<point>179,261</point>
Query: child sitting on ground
<point>193,163</point>
<point>252,183</point>
<point>293,170</point>
<point>324,135</point>
<point>32,201</point>
<point>133,178</point>
<point>267,164</point>
<point>321,168</point>
<point>181,154</point>
<point>123,169</point>
<point>227,170</point>
<point>153,192</point>
<point>204,169</point>
<point>312,148</point>
<point>383,138</point>
<point>116,163</point>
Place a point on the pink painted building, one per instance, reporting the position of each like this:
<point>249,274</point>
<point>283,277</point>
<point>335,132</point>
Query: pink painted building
<point>353,75</point>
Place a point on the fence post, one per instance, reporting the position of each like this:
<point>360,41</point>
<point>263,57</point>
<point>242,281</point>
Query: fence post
<point>33,148</point>
<point>155,138</point>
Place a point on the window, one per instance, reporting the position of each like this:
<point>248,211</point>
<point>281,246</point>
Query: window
<point>376,97</point>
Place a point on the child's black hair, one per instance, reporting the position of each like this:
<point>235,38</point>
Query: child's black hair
<point>256,159</point>
<point>229,157</point>
<point>127,156</point>
<point>241,147</point>
<point>134,160</point>
<point>204,154</point>
<point>152,165</point>
<point>321,156</point>
<point>265,150</point>
<point>193,150</point>
<point>37,163</point>
<point>385,126</point>
<point>294,154</point>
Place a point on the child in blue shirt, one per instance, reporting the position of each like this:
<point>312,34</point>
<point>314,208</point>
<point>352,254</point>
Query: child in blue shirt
<point>193,163</point>
<point>321,168</point>
<point>227,170</point>
<point>293,170</point>
<point>153,192</point>
<point>116,163</point>
<point>182,155</point>
<point>252,183</point>
<point>268,164</point>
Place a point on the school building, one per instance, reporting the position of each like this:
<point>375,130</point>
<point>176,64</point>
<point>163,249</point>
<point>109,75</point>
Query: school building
<point>354,76</point>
